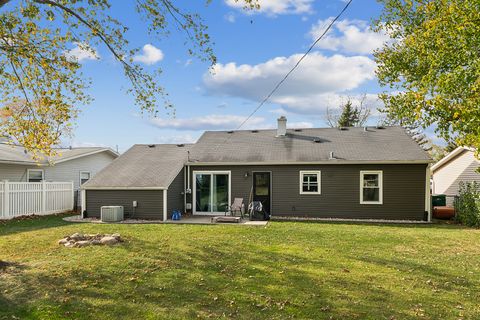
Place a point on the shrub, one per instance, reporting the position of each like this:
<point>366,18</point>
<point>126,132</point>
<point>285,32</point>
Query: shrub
<point>467,204</point>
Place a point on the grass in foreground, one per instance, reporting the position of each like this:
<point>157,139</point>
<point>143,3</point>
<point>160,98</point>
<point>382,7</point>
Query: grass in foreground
<point>286,270</point>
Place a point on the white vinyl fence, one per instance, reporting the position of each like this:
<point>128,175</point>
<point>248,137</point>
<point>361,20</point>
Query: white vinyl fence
<point>25,198</point>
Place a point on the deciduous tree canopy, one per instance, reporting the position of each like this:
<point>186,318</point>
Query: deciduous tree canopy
<point>42,88</point>
<point>433,65</point>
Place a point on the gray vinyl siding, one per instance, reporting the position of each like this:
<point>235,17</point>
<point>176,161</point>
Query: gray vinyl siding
<point>175,194</point>
<point>403,191</point>
<point>149,202</point>
<point>61,172</point>
<point>15,172</point>
<point>70,170</point>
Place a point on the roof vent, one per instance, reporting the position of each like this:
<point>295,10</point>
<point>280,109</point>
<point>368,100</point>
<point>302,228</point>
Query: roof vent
<point>317,140</point>
<point>180,145</point>
<point>365,128</point>
<point>332,156</point>
<point>342,128</point>
<point>230,132</point>
<point>151,146</point>
<point>254,131</point>
<point>298,130</point>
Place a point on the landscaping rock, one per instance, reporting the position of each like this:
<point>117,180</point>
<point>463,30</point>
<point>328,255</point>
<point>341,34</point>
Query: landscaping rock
<point>96,242</point>
<point>116,236</point>
<point>83,243</point>
<point>83,240</point>
<point>77,236</point>
<point>109,240</point>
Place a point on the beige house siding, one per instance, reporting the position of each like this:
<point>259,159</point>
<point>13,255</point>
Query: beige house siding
<point>463,167</point>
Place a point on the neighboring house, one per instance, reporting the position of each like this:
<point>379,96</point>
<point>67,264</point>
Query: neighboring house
<point>458,165</point>
<point>352,173</point>
<point>71,164</point>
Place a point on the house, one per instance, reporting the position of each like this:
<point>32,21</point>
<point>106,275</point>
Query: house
<point>351,173</point>
<point>71,164</point>
<point>458,165</point>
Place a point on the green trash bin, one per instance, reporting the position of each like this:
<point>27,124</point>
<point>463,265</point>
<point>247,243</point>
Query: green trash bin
<point>439,200</point>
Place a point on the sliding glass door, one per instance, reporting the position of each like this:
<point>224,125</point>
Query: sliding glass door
<point>211,191</point>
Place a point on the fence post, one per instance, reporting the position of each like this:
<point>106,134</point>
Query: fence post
<point>6,199</point>
<point>44,197</point>
<point>72,196</point>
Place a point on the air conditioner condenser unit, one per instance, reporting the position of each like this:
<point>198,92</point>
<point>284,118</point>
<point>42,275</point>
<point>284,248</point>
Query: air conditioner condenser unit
<point>111,213</point>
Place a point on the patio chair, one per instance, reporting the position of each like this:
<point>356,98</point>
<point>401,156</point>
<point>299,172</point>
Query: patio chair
<point>255,208</point>
<point>235,207</point>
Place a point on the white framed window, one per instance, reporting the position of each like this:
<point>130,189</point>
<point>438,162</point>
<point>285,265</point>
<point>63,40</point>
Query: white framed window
<point>371,187</point>
<point>310,182</point>
<point>84,176</point>
<point>35,175</point>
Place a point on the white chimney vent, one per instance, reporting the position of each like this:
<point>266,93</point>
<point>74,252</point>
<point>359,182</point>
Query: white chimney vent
<point>281,126</point>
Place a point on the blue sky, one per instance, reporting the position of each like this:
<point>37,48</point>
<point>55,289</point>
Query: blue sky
<point>254,51</point>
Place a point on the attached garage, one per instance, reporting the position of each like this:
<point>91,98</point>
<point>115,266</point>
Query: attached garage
<point>149,203</point>
<point>148,181</point>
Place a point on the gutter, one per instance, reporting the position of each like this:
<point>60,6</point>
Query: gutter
<point>310,162</point>
<point>123,188</point>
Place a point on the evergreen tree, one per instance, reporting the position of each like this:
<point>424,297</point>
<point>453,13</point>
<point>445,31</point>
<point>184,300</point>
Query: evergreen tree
<point>349,116</point>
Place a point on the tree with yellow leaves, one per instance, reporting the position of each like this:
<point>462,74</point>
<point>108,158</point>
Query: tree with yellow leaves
<point>41,88</point>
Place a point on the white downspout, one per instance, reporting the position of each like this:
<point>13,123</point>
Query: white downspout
<point>165,205</point>
<point>83,195</point>
<point>184,189</point>
<point>428,203</point>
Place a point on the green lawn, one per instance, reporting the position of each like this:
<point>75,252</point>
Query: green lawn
<point>286,270</point>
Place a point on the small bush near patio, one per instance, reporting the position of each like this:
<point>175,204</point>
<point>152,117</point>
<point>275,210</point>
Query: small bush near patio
<point>467,204</point>
<point>287,270</point>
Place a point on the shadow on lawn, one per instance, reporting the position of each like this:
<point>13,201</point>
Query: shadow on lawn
<point>31,223</point>
<point>441,224</point>
<point>194,281</point>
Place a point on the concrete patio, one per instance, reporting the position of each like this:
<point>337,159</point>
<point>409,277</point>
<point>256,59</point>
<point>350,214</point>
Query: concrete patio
<point>205,220</point>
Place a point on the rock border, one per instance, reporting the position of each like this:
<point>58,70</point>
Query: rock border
<point>78,240</point>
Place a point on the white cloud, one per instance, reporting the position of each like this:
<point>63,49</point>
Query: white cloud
<point>316,104</point>
<point>208,122</point>
<point>230,17</point>
<point>150,55</point>
<point>300,124</point>
<point>215,122</point>
<point>276,7</point>
<point>82,52</point>
<point>177,138</point>
<point>352,36</point>
<point>309,89</point>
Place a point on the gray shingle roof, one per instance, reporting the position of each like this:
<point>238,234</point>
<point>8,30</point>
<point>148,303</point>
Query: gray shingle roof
<point>16,154</point>
<point>142,166</point>
<point>353,144</point>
